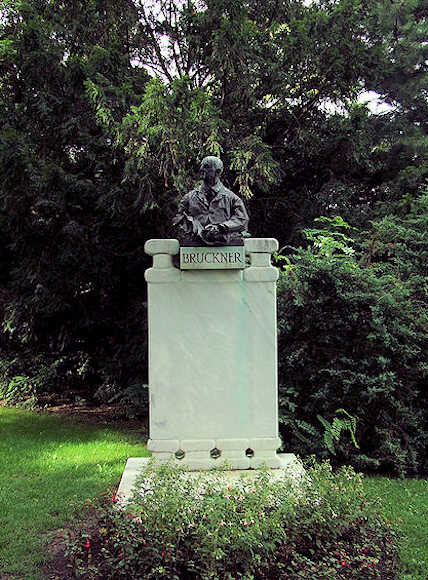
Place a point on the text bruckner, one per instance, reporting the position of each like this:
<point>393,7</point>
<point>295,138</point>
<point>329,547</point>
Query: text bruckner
<point>194,258</point>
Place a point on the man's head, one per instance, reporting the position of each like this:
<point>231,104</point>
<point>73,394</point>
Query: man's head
<point>211,170</point>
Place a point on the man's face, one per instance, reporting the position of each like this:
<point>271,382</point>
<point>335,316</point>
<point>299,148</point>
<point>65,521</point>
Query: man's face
<point>210,172</point>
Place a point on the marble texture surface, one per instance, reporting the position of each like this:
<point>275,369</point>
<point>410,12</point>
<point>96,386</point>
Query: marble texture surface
<point>213,360</point>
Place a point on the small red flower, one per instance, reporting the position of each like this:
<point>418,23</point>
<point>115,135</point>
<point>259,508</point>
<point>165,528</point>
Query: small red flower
<point>87,544</point>
<point>114,499</point>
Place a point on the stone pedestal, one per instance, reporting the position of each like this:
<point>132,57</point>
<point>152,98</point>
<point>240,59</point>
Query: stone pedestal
<point>213,358</point>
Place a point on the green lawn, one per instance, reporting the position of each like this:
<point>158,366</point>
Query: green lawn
<point>405,503</point>
<point>47,463</point>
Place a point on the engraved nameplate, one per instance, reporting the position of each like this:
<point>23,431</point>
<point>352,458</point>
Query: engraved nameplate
<point>212,258</point>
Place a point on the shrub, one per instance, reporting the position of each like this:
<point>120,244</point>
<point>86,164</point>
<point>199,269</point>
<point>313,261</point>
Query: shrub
<point>17,391</point>
<point>197,526</point>
<point>353,336</point>
<point>37,376</point>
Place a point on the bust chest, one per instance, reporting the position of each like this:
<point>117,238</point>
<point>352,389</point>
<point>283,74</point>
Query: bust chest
<point>215,210</point>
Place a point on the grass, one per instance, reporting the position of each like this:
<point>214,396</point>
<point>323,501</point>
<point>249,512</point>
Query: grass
<point>47,464</point>
<point>405,503</point>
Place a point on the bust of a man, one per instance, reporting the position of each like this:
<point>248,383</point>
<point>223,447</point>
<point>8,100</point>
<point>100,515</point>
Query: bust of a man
<point>211,214</point>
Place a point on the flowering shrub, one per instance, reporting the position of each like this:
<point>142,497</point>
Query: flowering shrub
<point>202,526</point>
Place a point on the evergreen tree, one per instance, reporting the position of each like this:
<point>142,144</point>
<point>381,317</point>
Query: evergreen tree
<point>73,293</point>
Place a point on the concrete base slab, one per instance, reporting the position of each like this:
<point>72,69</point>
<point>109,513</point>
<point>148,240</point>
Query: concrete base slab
<point>290,467</point>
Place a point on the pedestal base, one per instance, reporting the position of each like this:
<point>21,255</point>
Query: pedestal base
<point>288,466</point>
<point>202,454</point>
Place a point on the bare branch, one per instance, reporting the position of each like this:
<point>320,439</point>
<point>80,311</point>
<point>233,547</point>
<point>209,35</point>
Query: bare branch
<point>156,47</point>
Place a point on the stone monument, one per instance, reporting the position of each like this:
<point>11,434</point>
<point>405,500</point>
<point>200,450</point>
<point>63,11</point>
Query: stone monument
<point>213,337</point>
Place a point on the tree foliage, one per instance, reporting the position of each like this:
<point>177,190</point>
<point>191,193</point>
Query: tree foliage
<point>72,297</point>
<point>106,109</point>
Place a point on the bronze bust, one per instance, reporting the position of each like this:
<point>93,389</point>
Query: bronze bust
<point>211,214</point>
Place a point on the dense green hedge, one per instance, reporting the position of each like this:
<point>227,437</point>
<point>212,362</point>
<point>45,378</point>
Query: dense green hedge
<point>353,335</point>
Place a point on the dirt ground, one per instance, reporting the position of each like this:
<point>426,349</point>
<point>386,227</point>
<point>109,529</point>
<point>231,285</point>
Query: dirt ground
<point>103,415</point>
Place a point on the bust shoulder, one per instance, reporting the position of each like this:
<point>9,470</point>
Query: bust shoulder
<point>193,192</point>
<point>231,195</point>
<point>187,197</point>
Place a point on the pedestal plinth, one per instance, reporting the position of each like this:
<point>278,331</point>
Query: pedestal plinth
<point>213,356</point>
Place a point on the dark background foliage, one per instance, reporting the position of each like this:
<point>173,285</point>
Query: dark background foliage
<point>106,109</point>
<point>353,336</point>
